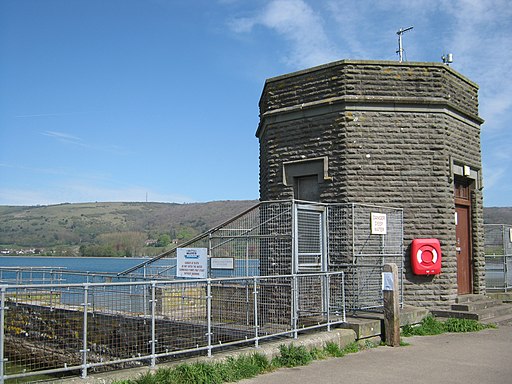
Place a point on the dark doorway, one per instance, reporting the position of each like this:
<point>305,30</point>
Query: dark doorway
<point>307,188</point>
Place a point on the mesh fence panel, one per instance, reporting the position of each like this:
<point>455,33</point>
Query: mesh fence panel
<point>362,254</point>
<point>124,324</point>
<point>92,327</point>
<point>39,332</point>
<point>498,256</point>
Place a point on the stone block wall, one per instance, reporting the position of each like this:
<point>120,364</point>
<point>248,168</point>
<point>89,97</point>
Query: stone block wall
<point>392,133</point>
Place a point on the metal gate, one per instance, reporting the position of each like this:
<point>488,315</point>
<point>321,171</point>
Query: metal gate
<point>310,256</point>
<point>310,241</point>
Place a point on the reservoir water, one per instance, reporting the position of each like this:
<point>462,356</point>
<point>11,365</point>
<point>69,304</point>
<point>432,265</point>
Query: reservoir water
<point>83,264</point>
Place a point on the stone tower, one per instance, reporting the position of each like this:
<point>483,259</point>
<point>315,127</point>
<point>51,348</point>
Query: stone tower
<point>402,135</point>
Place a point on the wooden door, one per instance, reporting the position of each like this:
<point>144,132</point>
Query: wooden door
<point>463,250</point>
<point>463,236</point>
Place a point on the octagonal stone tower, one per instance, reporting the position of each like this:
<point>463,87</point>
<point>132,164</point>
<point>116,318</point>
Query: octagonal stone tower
<point>402,135</point>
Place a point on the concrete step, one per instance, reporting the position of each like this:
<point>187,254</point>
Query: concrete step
<point>505,297</point>
<point>500,320</point>
<point>474,306</point>
<point>470,298</point>
<point>371,324</point>
<point>364,328</point>
<point>480,315</point>
<point>412,315</point>
<point>449,314</point>
<point>500,310</point>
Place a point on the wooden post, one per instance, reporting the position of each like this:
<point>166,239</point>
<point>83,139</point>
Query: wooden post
<point>391,305</point>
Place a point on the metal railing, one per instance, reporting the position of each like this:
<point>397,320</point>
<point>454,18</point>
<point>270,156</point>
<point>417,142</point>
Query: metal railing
<point>296,266</point>
<point>55,329</point>
<point>265,240</point>
<point>28,275</point>
<point>498,257</point>
<point>362,254</point>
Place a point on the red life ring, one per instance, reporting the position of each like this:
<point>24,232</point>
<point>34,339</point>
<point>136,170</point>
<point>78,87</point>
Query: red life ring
<point>427,255</point>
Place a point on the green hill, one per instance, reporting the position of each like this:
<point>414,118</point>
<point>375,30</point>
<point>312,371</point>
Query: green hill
<point>125,229</point>
<point>110,224</point>
<point>498,215</point>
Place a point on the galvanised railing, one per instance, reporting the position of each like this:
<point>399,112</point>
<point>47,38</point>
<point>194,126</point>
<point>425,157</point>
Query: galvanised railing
<point>498,257</point>
<point>60,329</point>
<point>268,239</point>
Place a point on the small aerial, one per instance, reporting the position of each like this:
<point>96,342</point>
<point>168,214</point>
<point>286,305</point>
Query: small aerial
<point>400,51</point>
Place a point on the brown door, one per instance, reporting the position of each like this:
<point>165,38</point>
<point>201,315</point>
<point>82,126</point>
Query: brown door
<point>463,234</point>
<point>463,250</point>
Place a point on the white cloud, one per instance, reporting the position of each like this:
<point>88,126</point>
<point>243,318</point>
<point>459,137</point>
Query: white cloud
<point>65,137</point>
<point>297,23</point>
<point>482,35</point>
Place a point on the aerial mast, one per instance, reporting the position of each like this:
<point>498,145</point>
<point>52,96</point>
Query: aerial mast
<point>400,45</point>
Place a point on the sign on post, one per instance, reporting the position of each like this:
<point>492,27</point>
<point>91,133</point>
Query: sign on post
<point>192,263</point>
<point>388,281</point>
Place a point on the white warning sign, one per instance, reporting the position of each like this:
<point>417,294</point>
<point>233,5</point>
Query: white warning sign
<point>192,263</point>
<point>378,223</point>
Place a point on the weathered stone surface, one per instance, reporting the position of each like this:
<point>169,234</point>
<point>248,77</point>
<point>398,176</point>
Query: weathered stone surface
<point>391,132</point>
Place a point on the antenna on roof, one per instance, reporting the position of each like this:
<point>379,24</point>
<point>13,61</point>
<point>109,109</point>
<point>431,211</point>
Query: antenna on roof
<point>400,46</point>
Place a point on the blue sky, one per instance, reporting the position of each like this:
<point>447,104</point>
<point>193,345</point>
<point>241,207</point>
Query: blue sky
<point>119,100</point>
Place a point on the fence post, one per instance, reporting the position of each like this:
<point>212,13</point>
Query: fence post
<point>401,259</point>
<point>295,306</point>
<point>343,302</point>
<point>327,301</point>
<point>153,324</point>
<point>355,271</point>
<point>84,333</point>
<point>209,315</point>
<point>2,329</point>
<point>391,305</point>
<point>504,247</point>
<point>144,299</point>
<point>255,299</point>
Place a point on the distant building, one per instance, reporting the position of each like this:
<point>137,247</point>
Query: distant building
<point>388,133</point>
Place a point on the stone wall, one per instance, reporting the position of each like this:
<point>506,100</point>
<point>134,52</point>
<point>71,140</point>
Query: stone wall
<point>392,133</point>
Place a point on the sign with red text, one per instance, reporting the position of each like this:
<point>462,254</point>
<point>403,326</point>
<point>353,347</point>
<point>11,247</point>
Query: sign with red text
<point>379,223</point>
<point>192,263</point>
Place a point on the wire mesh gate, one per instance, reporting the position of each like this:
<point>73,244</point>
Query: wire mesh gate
<point>498,257</point>
<point>283,237</point>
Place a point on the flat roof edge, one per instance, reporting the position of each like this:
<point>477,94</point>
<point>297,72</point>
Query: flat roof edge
<point>369,62</point>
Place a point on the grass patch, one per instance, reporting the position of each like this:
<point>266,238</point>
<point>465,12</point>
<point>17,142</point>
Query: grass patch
<point>231,370</point>
<point>242,367</point>
<point>465,325</point>
<point>292,356</point>
<point>333,350</point>
<point>430,326</point>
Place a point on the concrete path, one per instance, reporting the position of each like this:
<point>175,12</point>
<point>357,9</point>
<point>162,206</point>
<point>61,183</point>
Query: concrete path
<point>470,358</point>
